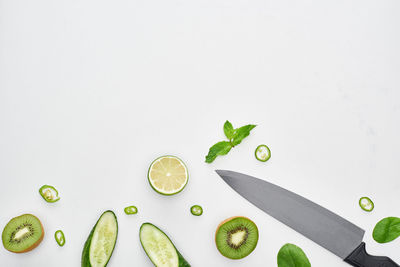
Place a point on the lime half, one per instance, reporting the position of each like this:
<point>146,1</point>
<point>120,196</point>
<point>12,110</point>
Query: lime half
<point>168,175</point>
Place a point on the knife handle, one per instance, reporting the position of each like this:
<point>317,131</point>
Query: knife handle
<point>360,258</point>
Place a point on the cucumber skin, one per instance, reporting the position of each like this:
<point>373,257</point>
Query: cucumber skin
<point>85,262</point>
<point>86,248</point>
<point>182,261</point>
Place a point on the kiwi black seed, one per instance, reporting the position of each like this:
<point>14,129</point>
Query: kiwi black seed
<point>236,237</point>
<point>22,233</point>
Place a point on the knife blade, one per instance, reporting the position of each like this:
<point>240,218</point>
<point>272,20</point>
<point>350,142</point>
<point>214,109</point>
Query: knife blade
<point>317,223</point>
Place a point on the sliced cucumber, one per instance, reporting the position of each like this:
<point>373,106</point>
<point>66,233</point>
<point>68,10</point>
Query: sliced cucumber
<point>101,241</point>
<point>160,248</point>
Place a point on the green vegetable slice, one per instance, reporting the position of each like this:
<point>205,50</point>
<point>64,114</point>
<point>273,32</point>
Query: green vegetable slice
<point>130,210</point>
<point>49,193</point>
<point>366,204</point>
<point>263,153</point>
<point>292,256</point>
<point>60,238</point>
<point>159,248</point>
<point>386,230</point>
<point>196,210</point>
<point>101,241</point>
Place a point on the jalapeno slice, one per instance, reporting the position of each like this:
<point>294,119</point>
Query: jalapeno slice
<point>263,153</point>
<point>366,204</point>
<point>196,210</point>
<point>130,210</point>
<point>49,193</point>
<point>60,238</point>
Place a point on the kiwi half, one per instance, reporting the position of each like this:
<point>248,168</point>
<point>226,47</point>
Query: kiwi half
<point>22,233</point>
<point>236,237</point>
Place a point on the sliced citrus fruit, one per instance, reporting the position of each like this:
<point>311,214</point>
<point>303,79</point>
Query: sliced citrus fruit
<point>168,175</point>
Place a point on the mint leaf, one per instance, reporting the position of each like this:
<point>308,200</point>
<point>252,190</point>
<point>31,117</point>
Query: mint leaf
<point>292,256</point>
<point>220,148</point>
<point>235,137</point>
<point>386,230</point>
<point>242,133</point>
<point>228,130</point>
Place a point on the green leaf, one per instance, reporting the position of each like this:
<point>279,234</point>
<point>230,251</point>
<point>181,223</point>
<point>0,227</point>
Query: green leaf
<point>292,256</point>
<point>228,130</point>
<point>242,133</point>
<point>220,148</point>
<point>386,230</point>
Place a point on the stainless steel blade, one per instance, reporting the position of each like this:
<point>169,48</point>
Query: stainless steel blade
<point>322,226</point>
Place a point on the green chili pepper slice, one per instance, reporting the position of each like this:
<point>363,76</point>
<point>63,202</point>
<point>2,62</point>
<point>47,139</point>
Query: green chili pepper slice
<point>263,153</point>
<point>196,210</point>
<point>49,193</point>
<point>60,238</point>
<point>366,204</point>
<point>130,210</point>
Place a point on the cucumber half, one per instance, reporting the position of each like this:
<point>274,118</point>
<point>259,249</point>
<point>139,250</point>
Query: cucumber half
<point>160,248</point>
<point>101,241</point>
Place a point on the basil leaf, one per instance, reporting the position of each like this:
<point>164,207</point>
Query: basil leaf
<point>242,133</point>
<point>386,230</point>
<point>228,130</point>
<point>220,148</point>
<point>292,256</point>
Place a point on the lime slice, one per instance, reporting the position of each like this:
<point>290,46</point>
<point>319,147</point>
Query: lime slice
<point>168,175</point>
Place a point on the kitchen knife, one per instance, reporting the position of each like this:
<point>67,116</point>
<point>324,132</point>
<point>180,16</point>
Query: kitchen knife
<point>324,227</point>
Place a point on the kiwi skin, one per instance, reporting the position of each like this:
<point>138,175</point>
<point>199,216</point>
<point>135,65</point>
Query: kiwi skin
<point>37,242</point>
<point>225,221</point>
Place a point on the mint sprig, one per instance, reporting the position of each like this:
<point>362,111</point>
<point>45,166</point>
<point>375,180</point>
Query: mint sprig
<point>235,137</point>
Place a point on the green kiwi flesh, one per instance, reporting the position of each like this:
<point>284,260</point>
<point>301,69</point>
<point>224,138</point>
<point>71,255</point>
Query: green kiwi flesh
<point>236,237</point>
<point>22,233</point>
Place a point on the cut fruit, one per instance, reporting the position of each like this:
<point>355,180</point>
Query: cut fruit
<point>101,241</point>
<point>262,153</point>
<point>168,175</point>
<point>196,210</point>
<point>22,233</point>
<point>159,248</point>
<point>236,237</point>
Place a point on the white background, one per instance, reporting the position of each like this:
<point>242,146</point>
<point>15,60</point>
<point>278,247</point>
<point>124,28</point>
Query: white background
<point>92,91</point>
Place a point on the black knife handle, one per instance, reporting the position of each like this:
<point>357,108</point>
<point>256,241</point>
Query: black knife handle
<point>360,258</point>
